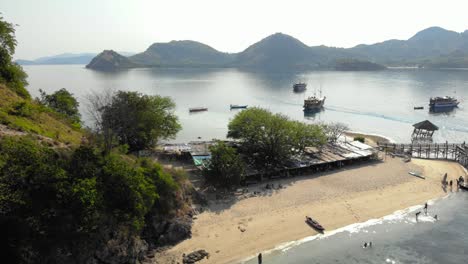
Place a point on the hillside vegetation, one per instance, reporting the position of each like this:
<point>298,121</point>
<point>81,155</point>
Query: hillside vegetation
<point>29,116</point>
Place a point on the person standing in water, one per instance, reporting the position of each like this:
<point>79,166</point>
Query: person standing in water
<point>260,258</point>
<point>417,214</point>
<point>425,208</point>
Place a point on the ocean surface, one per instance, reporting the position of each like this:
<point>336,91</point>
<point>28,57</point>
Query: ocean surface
<point>396,238</point>
<point>372,102</point>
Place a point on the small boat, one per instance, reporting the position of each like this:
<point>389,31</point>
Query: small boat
<point>198,109</point>
<point>299,87</point>
<point>314,224</point>
<point>238,106</point>
<point>416,174</point>
<point>418,107</point>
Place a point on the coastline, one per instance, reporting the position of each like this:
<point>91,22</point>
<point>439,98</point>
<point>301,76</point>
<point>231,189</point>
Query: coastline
<point>370,139</point>
<point>336,199</point>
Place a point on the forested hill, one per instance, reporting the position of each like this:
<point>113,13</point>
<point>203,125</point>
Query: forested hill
<point>432,47</point>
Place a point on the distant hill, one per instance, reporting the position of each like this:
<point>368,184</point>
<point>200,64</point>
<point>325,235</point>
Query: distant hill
<point>423,47</point>
<point>182,53</point>
<point>109,60</point>
<point>433,47</point>
<point>276,51</point>
<point>65,58</point>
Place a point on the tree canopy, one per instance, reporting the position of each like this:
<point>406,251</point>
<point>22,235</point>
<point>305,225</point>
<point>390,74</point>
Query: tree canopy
<point>63,102</point>
<point>11,74</point>
<point>51,202</point>
<point>270,139</point>
<point>139,120</point>
<point>225,167</point>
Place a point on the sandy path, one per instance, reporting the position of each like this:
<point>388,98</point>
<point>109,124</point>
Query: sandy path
<point>335,199</point>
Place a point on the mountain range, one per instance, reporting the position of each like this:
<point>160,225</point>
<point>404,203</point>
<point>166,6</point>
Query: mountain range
<point>433,47</point>
<point>65,58</point>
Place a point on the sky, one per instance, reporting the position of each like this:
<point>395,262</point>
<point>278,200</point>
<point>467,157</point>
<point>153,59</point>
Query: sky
<point>49,27</point>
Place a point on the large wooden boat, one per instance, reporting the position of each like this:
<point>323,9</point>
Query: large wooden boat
<point>314,103</point>
<point>299,87</point>
<point>446,103</point>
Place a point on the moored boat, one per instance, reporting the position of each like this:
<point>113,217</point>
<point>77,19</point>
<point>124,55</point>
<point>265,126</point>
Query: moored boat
<point>198,109</point>
<point>443,103</point>
<point>238,106</point>
<point>314,224</point>
<point>299,87</point>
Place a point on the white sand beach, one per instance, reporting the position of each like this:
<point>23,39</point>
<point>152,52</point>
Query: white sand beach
<point>232,231</point>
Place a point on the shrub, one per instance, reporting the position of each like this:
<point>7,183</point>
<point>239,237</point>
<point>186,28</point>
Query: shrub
<point>360,139</point>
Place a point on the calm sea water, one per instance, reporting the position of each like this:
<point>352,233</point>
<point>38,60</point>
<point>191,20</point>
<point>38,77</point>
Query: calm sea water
<point>372,102</point>
<point>397,238</point>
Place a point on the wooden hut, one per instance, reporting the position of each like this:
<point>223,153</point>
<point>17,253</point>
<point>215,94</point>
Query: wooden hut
<point>424,130</point>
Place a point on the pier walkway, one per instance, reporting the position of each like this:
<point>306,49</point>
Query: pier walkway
<point>444,151</point>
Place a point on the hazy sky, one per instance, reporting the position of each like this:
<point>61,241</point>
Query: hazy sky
<point>48,27</point>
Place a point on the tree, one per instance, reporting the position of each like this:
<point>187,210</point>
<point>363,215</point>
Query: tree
<point>334,130</point>
<point>140,120</point>
<point>63,102</point>
<point>269,139</point>
<point>11,73</point>
<point>225,167</point>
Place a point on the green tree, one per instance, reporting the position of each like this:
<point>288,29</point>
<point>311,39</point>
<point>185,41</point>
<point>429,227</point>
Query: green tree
<point>225,167</point>
<point>268,140</point>
<point>53,204</point>
<point>11,74</point>
<point>63,102</point>
<point>140,120</point>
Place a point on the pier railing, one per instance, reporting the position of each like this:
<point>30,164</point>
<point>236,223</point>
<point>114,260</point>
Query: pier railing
<point>444,151</point>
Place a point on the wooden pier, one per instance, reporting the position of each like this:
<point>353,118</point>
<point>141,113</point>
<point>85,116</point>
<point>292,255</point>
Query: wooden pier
<point>444,151</point>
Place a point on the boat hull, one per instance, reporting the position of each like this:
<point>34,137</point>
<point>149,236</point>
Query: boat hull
<point>200,109</point>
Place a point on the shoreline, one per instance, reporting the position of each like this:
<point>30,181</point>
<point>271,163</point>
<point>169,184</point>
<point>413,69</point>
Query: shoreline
<point>351,228</point>
<point>231,231</point>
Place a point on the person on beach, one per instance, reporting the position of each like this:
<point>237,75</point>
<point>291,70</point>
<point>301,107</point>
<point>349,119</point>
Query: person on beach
<point>425,208</point>
<point>260,258</point>
<point>417,215</point>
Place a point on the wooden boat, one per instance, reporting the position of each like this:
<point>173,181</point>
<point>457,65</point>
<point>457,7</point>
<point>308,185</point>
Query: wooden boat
<point>299,87</point>
<point>418,107</point>
<point>417,175</point>
<point>314,224</point>
<point>198,109</point>
<point>238,106</point>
